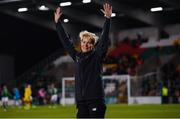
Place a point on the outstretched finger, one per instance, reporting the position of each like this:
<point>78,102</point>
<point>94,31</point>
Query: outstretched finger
<point>104,6</point>
<point>111,8</point>
<point>108,6</point>
<point>102,11</point>
<point>60,13</point>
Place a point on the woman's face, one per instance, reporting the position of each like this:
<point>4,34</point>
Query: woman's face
<point>86,44</point>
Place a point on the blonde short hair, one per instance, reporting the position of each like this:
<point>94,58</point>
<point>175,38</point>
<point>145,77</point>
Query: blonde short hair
<point>92,36</point>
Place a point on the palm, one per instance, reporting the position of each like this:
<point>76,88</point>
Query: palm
<point>57,14</point>
<point>107,10</point>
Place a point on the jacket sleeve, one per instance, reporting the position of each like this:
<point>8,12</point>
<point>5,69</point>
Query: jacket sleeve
<point>65,40</point>
<point>104,41</point>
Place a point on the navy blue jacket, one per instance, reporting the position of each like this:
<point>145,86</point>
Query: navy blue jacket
<point>88,76</point>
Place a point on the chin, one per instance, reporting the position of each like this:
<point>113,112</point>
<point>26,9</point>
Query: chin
<point>86,51</point>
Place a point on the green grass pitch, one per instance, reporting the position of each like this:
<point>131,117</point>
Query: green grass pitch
<point>113,111</point>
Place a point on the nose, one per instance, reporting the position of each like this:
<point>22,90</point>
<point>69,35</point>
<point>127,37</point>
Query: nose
<point>86,45</point>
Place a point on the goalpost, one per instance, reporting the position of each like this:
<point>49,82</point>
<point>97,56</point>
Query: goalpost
<point>120,89</point>
<point>68,91</point>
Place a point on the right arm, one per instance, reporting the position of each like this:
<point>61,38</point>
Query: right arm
<point>65,40</point>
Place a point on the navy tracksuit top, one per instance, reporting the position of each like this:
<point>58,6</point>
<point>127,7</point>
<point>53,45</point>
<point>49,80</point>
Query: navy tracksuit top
<point>88,66</point>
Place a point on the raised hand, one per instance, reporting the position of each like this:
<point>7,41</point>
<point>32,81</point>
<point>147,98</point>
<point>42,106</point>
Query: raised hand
<point>57,14</point>
<point>107,10</point>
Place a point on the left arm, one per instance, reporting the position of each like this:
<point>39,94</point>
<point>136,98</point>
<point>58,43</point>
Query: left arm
<point>104,40</point>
